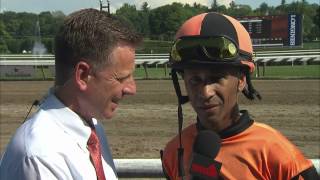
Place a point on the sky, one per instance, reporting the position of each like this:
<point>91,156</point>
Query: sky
<point>68,6</point>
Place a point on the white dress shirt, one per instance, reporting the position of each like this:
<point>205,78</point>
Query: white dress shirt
<point>52,144</point>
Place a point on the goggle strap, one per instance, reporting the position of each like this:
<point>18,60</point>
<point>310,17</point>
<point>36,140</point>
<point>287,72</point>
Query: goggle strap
<point>246,55</point>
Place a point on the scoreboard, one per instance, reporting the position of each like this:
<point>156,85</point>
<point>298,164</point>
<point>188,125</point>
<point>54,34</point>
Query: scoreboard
<point>258,28</point>
<point>281,29</point>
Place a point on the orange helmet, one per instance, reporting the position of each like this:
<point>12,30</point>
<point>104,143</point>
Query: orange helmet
<point>212,39</point>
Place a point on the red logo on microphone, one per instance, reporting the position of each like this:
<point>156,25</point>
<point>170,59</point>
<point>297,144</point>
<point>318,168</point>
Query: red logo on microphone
<point>206,171</point>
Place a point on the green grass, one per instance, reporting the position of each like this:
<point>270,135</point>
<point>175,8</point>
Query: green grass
<point>282,71</point>
<point>296,71</point>
<point>311,45</point>
<point>285,71</point>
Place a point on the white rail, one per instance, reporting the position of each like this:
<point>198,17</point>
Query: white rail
<point>139,168</point>
<point>288,58</point>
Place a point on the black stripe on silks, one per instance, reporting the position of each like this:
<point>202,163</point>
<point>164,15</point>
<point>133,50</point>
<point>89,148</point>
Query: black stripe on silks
<point>244,123</point>
<point>215,25</point>
<point>308,174</point>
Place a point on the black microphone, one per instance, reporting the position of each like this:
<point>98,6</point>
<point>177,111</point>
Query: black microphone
<point>205,148</point>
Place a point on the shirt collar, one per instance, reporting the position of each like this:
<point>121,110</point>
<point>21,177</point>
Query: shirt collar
<point>69,121</point>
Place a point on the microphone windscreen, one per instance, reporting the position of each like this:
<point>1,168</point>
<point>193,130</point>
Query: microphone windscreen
<point>207,143</point>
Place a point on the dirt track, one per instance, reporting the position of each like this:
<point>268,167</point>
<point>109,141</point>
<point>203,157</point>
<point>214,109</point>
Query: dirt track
<point>145,122</point>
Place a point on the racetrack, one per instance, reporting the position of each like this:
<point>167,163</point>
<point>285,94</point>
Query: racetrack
<point>145,122</point>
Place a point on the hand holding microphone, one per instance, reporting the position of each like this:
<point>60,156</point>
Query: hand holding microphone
<point>205,148</point>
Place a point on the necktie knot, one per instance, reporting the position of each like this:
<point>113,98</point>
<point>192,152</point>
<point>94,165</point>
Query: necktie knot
<point>93,139</point>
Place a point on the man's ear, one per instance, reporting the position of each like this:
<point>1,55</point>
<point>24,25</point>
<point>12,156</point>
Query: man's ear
<point>82,75</point>
<point>242,83</point>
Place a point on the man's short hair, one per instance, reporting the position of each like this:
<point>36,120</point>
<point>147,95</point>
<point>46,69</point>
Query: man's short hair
<point>89,35</point>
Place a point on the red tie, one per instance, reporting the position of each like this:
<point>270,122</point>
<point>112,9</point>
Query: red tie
<point>95,154</point>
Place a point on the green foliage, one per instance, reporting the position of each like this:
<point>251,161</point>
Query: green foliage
<point>49,44</point>
<point>3,35</point>
<point>315,31</point>
<point>262,10</point>
<point>165,20</point>
<point>162,23</point>
<point>18,30</point>
<point>3,48</point>
<point>26,44</point>
<point>214,6</point>
<point>316,18</point>
<point>13,45</point>
<point>129,14</point>
<point>144,19</point>
<point>312,45</point>
<point>240,10</point>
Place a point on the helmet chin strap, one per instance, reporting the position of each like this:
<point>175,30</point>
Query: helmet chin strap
<point>181,100</point>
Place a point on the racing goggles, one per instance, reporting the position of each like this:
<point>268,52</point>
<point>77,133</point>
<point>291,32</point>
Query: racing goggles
<point>210,49</point>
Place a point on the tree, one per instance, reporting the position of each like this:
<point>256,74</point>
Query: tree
<point>26,44</point>
<point>18,30</point>
<point>316,18</point>
<point>316,29</point>
<point>129,14</point>
<point>22,29</point>
<point>144,19</point>
<point>240,10</point>
<point>14,45</point>
<point>311,22</point>
<point>27,24</point>
<point>47,24</point>
<point>222,9</point>
<point>195,9</point>
<point>263,9</point>
<point>11,22</point>
<point>282,9</point>
<point>214,6</point>
<point>232,5</point>
<point>165,20</point>
<point>3,36</point>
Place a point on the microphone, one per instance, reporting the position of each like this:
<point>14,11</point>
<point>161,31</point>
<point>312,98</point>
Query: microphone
<point>205,148</point>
